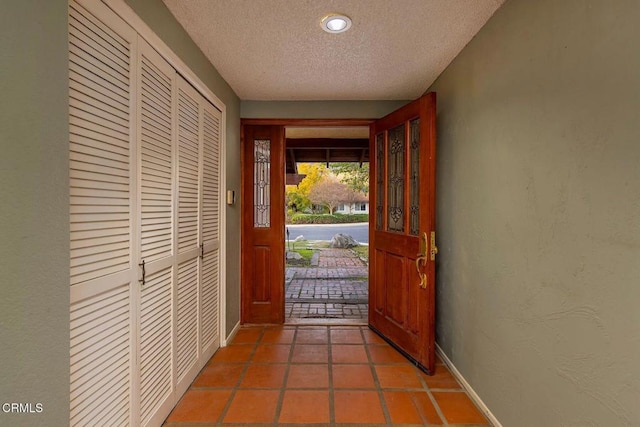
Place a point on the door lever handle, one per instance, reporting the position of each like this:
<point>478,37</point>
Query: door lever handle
<point>421,259</point>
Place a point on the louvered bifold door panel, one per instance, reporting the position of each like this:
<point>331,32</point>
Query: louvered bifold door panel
<point>102,54</point>
<point>156,154</point>
<point>189,136</point>
<point>210,294</point>
<point>101,359</point>
<point>155,344</point>
<point>189,124</point>
<point>187,319</point>
<point>211,206</point>
<point>211,175</point>
<point>156,177</point>
<point>100,83</point>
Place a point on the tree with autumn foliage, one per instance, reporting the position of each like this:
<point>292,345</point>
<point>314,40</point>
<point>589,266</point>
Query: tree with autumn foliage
<point>340,183</point>
<point>329,192</point>
<point>297,196</point>
<point>354,175</point>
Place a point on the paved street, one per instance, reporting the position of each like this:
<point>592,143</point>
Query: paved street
<point>359,231</point>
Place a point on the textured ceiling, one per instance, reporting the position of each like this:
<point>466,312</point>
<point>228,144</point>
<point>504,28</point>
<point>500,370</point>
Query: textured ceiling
<point>276,50</point>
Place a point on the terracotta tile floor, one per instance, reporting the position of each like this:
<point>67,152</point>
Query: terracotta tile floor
<point>320,376</point>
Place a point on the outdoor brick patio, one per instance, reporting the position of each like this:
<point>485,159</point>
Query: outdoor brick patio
<point>334,286</point>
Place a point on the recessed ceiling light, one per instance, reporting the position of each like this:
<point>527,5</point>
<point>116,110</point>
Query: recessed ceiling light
<point>335,23</point>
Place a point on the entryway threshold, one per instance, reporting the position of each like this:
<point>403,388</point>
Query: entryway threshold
<point>325,322</point>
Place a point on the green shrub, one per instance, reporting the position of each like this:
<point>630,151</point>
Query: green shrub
<point>300,218</point>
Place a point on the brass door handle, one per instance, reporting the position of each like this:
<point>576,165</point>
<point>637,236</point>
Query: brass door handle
<point>421,259</point>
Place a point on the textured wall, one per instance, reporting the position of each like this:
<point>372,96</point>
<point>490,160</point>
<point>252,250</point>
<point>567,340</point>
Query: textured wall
<point>318,109</point>
<point>162,22</point>
<point>34,211</point>
<point>539,213</point>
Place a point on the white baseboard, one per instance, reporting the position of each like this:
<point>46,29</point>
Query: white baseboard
<point>470,391</point>
<point>229,337</point>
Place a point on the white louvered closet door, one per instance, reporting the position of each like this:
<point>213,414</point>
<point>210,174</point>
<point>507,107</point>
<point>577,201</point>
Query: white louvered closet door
<point>189,124</point>
<point>145,226</point>
<point>156,83</point>
<point>102,52</point>
<point>211,207</point>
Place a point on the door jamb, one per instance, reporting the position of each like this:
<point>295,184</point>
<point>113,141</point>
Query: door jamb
<point>298,123</point>
<point>308,122</point>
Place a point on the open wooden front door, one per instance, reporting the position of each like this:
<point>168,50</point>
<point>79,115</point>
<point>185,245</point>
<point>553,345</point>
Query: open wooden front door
<point>262,224</point>
<point>402,249</point>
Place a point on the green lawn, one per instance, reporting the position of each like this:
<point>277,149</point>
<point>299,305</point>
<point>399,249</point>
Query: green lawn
<point>306,257</point>
<point>306,248</point>
<point>362,251</point>
<point>306,244</point>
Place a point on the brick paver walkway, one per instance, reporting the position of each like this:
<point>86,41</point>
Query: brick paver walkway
<point>335,286</point>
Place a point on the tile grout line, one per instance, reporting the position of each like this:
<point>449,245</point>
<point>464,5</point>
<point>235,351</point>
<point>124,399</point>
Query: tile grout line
<point>234,389</point>
<point>283,386</point>
<point>433,400</point>
<point>330,341</point>
<point>332,408</point>
<point>376,381</point>
<point>412,395</point>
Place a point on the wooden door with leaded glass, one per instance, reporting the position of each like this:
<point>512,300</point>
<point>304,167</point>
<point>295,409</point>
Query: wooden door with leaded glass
<point>262,224</point>
<point>402,230</point>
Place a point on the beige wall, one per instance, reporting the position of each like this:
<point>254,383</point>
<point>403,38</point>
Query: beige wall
<point>162,22</point>
<point>539,213</point>
<point>318,109</point>
<point>34,212</point>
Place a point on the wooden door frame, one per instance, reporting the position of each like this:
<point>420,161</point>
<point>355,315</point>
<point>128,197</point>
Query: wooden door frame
<point>284,123</point>
<point>307,122</point>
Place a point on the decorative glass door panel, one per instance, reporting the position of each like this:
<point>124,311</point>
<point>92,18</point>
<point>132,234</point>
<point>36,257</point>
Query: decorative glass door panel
<point>261,182</point>
<point>402,276</point>
<point>263,224</point>
<point>379,174</point>
<point>414,177</point>
<point>396,149</point>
